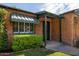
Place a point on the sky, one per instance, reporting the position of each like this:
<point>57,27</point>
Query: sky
<point>56,8</point>
<point>59,8</point>
<point>33,7</point>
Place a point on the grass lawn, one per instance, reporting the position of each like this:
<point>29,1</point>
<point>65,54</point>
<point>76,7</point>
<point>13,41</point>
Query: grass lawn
<point>39,52</point>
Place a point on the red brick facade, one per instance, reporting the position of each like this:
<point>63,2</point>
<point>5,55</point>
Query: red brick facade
<point>9,24</point>
<point>69,29</point>
<point>54,28</point>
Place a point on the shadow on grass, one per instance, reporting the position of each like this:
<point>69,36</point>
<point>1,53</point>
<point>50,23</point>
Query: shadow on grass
<point>39,52</point>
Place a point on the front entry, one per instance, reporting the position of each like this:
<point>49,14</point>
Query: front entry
<point>48,30</point>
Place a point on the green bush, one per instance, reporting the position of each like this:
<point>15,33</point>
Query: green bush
<point>3,42</point>
<point>21,42</point>
<point>3,32</point>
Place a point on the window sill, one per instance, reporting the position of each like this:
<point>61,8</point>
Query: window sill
<point>23,32</point>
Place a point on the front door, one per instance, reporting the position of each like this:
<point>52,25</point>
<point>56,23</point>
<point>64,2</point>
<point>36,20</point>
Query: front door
<point>48,30</point>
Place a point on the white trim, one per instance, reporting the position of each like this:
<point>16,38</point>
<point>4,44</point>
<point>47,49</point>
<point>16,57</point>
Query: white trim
<point>22,32</point>
<point>24,28</point>
<point>15,32</point>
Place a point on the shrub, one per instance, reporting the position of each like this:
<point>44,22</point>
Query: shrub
<point>3,32</point>
<point>21,42</point>
<point>3,42</point>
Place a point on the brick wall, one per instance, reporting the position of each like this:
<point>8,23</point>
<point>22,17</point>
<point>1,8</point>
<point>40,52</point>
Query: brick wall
<point>68,31</point>
<point>38,27</point>
<point>76,29</point>
<point>54,28</point>
<point>9,25</point>
<point>67,28</point>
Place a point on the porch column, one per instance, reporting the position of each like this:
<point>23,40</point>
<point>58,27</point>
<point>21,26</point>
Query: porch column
<point>45,30</point>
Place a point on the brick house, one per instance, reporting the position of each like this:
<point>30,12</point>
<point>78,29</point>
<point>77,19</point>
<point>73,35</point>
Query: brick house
<point>62,28</point>
<point>70,27</point>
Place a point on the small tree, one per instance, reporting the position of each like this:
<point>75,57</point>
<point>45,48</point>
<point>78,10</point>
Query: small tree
<point>3,32</point>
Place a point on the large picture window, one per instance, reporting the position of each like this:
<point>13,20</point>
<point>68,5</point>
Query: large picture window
<point>21,27</point>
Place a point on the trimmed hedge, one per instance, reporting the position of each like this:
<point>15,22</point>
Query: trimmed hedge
<point>21,42</point>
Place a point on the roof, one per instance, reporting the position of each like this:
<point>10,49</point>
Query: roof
<point>75,11</point>
<point>16,9</point>
<point>46,13</point>
<point>69,11</point>
<point>62,15</point>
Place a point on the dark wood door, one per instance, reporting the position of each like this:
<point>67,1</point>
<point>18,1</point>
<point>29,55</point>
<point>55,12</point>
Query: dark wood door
<point>48,30</point>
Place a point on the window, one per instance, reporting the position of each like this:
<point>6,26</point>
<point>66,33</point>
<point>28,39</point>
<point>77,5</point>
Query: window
<point>31,27</point>
<point>15,26</point>
<point>21,27</point>
<point>27,27</point>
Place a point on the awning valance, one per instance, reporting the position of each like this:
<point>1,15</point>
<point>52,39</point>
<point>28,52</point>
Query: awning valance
<point>20,18</point>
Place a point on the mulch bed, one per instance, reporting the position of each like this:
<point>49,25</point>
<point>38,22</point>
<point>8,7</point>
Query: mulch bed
<point>6,53</point>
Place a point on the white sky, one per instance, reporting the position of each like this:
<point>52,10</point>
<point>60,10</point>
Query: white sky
<point>59,8</point>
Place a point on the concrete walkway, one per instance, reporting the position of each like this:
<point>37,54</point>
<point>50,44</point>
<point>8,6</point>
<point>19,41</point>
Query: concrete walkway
<point>52,45</point>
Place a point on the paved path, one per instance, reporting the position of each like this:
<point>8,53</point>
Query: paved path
<point>52,45</point>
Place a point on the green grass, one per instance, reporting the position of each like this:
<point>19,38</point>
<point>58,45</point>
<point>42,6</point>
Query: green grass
<point>39,52</point>
<point>58,54</point>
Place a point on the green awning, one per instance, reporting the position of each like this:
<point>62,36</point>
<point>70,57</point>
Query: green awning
<point>20,18</point>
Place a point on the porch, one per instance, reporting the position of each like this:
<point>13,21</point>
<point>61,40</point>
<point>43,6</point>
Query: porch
<point>57,46</point>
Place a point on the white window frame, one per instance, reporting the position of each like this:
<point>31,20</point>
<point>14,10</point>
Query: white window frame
<point>24,29</point>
